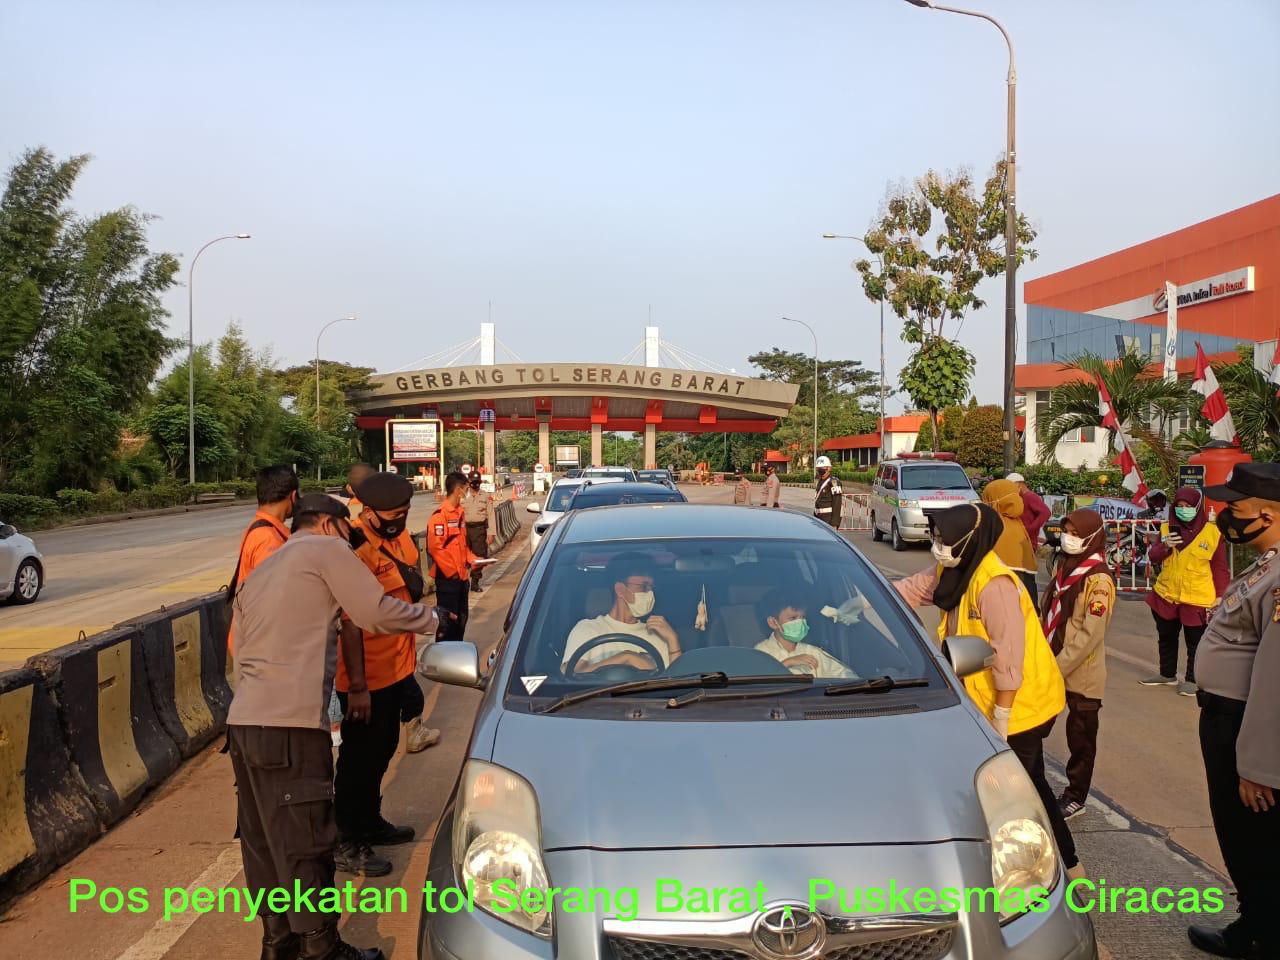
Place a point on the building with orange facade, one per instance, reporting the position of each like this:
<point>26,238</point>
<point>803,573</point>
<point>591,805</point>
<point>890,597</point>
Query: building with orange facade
<point>1227,272</point>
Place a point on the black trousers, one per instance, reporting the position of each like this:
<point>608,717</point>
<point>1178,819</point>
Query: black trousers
<point>1249,841</point>
<point>1082,744</point>
<point>284,805</point>
<point>478,541</point>
<point>1167,631</point>
<point>1029,746</point>
<point>1029,581</point>
<point>363,758</point>
<point>453,594</point>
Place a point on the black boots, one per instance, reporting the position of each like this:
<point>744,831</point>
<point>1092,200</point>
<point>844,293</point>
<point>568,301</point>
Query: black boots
<point>356,856</point>
<point>278,941</point>
<point>1234,940</point>
<point>386,834</point>
<point>325,944</point>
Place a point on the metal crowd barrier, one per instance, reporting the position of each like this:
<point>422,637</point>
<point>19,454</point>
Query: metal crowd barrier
<point>855,511</point>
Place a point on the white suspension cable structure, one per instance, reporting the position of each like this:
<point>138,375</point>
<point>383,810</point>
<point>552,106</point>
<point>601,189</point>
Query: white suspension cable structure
<point>698,362</point>
<point>631,354</point>
<point>511,353</point>
<point>432,359</point>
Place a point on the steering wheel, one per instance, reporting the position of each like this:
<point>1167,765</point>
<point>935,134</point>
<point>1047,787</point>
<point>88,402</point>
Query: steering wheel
<point>645,646</point>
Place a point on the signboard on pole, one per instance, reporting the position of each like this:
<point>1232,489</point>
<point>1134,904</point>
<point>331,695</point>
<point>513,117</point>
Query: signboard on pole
<point>488,415</point>
<point>413,441</point>
<point>1191,475</point>
<point>1171,333</point>
<point>567,455</point>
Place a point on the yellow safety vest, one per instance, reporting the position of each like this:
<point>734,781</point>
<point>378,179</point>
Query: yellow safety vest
<point>1043,693</point>
<point>1185,576</point>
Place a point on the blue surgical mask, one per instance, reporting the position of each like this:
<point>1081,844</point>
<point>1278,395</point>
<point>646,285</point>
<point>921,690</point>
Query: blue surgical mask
<point>795,630</point>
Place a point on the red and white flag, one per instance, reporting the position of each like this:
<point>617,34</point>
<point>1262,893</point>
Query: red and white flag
<point>1275,368</point>
<point>1124,457</point>
<point>1214,407</point>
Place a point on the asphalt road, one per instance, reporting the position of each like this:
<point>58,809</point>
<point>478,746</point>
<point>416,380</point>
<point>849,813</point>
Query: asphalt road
<point>1147,823</point>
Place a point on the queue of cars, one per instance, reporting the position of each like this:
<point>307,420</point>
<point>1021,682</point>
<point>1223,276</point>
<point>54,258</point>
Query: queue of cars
<point>621,801</point>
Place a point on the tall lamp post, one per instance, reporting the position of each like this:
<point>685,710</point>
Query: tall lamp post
<point>191,353</point>
<point>880,263</point>
<point>1010,230</point>
<point>318,336</point>
<point>813,465</point>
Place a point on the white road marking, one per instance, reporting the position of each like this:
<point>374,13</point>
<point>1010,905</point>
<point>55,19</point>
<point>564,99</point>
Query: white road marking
<point>156,943</point>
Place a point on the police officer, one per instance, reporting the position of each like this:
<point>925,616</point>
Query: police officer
<point>827,504</point>
<point>476,512</point>
<point>451,558</point>
<point>286,655</point>
<point>772,487</point>
<point>1238,671</point>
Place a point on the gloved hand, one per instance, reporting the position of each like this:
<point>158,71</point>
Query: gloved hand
<point>412,702</point>
<point>1000,720</point>
<point>848,612</point>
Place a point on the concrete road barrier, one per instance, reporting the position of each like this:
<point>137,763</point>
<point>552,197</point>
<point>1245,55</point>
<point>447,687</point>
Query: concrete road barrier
<point>115,740</point>
<point>46,814</point>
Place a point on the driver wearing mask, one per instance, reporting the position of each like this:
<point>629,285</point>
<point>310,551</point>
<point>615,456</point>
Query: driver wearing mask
<point>633,601</point>
<point>786,643</point>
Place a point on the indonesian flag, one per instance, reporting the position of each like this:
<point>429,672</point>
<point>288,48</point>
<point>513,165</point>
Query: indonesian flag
<point>1124,457</point>
<point>1275,368</point>
<point>1214,407</point>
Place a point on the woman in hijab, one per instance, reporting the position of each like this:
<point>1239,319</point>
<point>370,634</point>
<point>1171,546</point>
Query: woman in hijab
<point>1021,693</point>
<point>1193,574</point>
<point>1014,546</point>
<point>1076,612</point>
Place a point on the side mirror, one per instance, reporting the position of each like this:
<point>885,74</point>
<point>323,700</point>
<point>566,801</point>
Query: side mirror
<point>967,654</point>
<point>455,662</point>
<point>533,508</point>
<point>7,531</point>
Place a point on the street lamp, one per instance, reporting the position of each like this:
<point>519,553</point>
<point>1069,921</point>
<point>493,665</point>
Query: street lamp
<point>191,353</point>
<point>880,263</point>
<point>318,336</point>
<point>1010,230</point>
<point>815,386</point>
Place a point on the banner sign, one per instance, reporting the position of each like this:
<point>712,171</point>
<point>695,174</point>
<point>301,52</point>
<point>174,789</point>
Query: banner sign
<point>413,440</point>
<point>567,455</point>
<point>1110,508</point>
<point>1191,475</point>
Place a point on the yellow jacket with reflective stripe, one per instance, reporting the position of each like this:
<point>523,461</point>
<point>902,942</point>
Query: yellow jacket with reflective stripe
<point>1042,694</point>
<point>1186,576</point>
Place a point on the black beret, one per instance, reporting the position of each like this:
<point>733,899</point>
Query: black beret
<point>322,503</point>
<point>384,491</point>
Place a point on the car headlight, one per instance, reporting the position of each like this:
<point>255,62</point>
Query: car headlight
<point>497,846</point>
<point>909,504</point>
<point>1023,856</point>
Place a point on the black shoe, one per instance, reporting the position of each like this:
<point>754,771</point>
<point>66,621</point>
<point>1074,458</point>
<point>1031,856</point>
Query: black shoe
<point>386,834</point>
<point>1231,941</point>
<point>278,941</point>
<point>358,857</point>
<point>476,588</point>
<point>325,944</point>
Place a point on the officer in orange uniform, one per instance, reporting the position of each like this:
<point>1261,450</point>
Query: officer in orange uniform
<point>277,494</point>
<point>370,739</point>
<point>451,557</point>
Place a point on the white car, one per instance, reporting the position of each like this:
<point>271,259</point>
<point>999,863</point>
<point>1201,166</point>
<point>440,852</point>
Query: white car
<point>21,566</point>
<point>553,508</point>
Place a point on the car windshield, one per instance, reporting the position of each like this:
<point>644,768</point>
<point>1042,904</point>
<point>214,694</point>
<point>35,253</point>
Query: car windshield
<point>604,611</point>
<point>559,497</point>
<point>934,477</point>
<point>602,496</point>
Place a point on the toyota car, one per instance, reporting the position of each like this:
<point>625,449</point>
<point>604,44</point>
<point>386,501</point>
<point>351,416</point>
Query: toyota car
<point>654,774</point>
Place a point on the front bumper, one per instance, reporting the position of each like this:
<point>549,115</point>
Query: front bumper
<point>912,523</point>
<point>785,874</point>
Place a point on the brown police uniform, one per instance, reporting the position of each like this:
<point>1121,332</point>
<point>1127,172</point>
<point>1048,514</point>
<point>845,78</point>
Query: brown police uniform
<point>451,561</point>
<point>281,750</point>
<point>827,503</point>
<point>476,514</point>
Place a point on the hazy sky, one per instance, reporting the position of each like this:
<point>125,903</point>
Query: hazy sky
<point>574,161</point>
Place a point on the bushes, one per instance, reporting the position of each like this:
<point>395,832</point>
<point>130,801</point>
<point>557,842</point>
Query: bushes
<point>18,508</point>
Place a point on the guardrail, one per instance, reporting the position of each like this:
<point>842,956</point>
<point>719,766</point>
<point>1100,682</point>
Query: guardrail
<point>855,511</point>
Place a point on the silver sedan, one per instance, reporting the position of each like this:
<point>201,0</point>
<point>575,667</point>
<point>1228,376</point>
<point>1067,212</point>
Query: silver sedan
<point>21,567</point>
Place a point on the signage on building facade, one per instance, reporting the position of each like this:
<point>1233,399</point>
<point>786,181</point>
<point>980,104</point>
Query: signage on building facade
<point>1218,287</point>
<point>461,378</point>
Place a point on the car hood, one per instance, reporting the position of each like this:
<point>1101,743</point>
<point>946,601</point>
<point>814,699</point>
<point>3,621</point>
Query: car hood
<point>635,784</point>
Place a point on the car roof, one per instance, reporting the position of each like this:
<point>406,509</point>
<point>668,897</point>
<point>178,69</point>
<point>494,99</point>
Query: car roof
<point>619,487</point>
<point>689,521</point>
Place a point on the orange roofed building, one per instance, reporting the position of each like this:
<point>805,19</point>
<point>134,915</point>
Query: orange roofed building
<point>1227,272</point>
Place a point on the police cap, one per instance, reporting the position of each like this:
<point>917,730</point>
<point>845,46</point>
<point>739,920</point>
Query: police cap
<point>1261,480</point>
<point>321,503</point>
<point>384,491</point>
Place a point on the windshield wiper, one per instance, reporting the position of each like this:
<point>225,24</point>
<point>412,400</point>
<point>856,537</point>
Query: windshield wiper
<point>874,685</point>
<point>702,696</point>
<point>716,679</point>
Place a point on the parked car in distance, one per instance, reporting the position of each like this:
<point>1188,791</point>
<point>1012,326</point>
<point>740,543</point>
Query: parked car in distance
<point>556,503</point>
<point>572,474</point>
<point>656,476</point>
<point>907,491</point>
<point>623,473</point>
<point>593,494</point>
<point>21,566</point>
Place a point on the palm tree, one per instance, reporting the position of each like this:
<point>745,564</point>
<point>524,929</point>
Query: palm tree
<point>1136,395</point>
<point>1254,406</point>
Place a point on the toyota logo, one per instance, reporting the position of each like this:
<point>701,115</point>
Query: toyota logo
<point>788,931</point>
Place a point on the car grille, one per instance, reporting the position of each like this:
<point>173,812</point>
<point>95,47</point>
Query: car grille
<point>924,946</point>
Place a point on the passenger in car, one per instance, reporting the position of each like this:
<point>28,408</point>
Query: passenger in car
<point>633,601</point>
<point>785,615</point>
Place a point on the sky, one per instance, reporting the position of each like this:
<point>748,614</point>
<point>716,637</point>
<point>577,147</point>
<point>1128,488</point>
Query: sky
<point>572,165</point>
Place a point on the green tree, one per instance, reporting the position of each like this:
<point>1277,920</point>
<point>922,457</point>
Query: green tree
<point>982,439</point>
<point>81,327</point>
<point>937,240</point>
<point>1255,408</point>
<point>950,423</point>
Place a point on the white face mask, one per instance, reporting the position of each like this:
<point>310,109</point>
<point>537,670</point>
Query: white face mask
<point>641,604</point>
<point>1072,544</point>
<point>942,553</point>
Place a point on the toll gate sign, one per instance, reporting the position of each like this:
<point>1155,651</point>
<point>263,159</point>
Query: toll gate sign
<point>413,441</point>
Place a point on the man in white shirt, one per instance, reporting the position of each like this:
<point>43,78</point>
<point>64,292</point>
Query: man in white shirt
<point>633,600</point>
<point>786,643</point>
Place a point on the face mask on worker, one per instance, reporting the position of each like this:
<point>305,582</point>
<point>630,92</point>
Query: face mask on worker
<point>641,603</point>
<point>388,529</point>
<point>1072,544</point>
<point>1185,514</point>
<point>795,630</point>
<point>948,556</point>
<point>1236,529</point>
